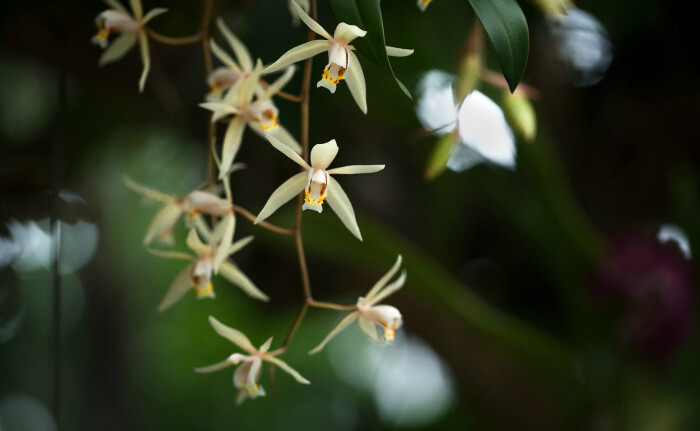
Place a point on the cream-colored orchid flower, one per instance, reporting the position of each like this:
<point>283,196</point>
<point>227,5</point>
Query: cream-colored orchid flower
<point>198,274</point>
<point>245,378</point>
<point>305,5</point>
<point>342,61</point>
<point>370,316</point>
<point>423,4</point>
<point>259,114</point>
<point>193,204</point>
<point>118,19</point>
<point>317,184</point>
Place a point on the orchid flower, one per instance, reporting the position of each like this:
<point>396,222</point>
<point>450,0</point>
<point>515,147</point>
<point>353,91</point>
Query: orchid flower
<point>245,378</point>
<point>198,274</point>
<point>477,125</point>
<point>259,114</point>
<point>370,316</point>
<point>295,17</point>
<point>342,61</point>
<point>316,182</point>
<point>193,204</point>
<point>423,4</point>
<point>132,28</point>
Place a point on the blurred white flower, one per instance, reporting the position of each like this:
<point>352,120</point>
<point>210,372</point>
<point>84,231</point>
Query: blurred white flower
<point>370,316</point>
<point>245,378</point>
<point>671,232</point>
<point>317,184</point>
<point>131,27</point>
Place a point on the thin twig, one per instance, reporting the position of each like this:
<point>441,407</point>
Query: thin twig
<point>282,94</point>
<point>330,305</point>
<point>269,226</point>
<point>292,330</point>
<point>167,40</point>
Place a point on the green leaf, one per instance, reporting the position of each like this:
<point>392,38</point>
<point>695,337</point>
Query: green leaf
<point>367,15</point>
<point>506,29</point>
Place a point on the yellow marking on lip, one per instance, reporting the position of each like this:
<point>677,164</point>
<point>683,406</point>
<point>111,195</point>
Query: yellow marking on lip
<point>334,81</point>
<point>192,214</point>
<point>253,390</point>
<point>309,200</point>
<point>206,291</point>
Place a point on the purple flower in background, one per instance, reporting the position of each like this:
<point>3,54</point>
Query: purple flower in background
<point>653,283</point>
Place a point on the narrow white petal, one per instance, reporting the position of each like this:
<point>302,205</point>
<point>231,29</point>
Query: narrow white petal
<point>322,155</point>
<point>118,48</point>
<point>390,289</point>
<point>278,84</point>
<point>483,127</point>
<point>223,56</point>
<point>242,54</point>
<point>346,33</point>
<point>340,203</point>
<point>145,59</point>
<point>356,169</point>
<point>463,157</point>
<point>180,286</point>
<point>291,371</point>
<point>238,245</point>
<point>335,331</point>
<point>214,367</point>
<point>249,84</point>
<point>283,135</point>
<point>355,79</point>
<point>164,221</point>
<point>114,4</point>
<point>286,150</point>
<point>398,52</point>
<point>202,227</point>
<point>137,8</point>
<point>233,335</point>
<point>170,254</point>
<point>313,25</point>
<point>266,345</point>
<point>385,279</point>
<point>147,192</point>
<point>436,108</point>
<point>232,142</point>
<point>370,328</point>
<point>284,193</point>
<point>228,224</point>
<point>298,53</point>
<point>152,14</point>
<point>195,244</point>
<point>234,275</point>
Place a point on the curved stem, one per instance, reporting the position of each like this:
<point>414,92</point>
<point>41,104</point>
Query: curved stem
<point>269,226</point>
<point>331,306</point>
<point>282,94</point>
<point>167,40</point>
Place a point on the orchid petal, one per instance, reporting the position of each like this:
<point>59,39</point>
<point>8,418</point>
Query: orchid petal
<point>284,193</point>
<point>170,254</point>
<point>223,56</point>
<point>385,279</point>
<point>145,59</point>
<point>114,4</point>
<point>340,203</point>
<point>390,289</point>
<point>322,155</point>
<point>436,108</point>
<point>483,127</point>
<point>370,328</point>
<point>203,229</point>
<point>152,14</point>
<point>233,335</point>
<point>232,142</point>
<point>214,367</point>
<point>298,53</point>
<point>234,275</point>
<point>289,370</point>
<point>118,48</point>
<point>346,33</point>
<point>164,221</point>
<point>335,331</point>
<point>229,225</point>
<point>355,79</point>
<point>266,345</point>
<point>196,244</point>
<point>180,286</point>
<point>398,52</point>
<point>147,192</point>
<point>238,245</point>
<point>137,8</point>
<point>284,149</point>
<point>278,84</point>
<point>313,25</point>
<point>248,86</point>
<point>356,169</point>
<point>281,133</point>
<point>242,54</point>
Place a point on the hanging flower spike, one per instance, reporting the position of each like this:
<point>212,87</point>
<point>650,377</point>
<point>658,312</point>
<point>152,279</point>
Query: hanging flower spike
<point>423,4</point>
<point>245,378</point>
<point>317,184</point>
<point>342,62</point>
<point>260,114</point>
<point>198,274</point>
<point>132,28</point>
<point>371,317</point>
<point>193,204</point>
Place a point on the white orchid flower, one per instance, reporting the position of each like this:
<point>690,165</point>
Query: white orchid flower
<point>193,204</point>
<point>423,4</point>
<point>378,322</point>
<point>245,378</point>
<point>317,183</point>
<point>478,124</point>
<point>198,274</point>
<point>132,28</point>
<point>342,61</point>
<point>260,114</point>
<point>304,4</point>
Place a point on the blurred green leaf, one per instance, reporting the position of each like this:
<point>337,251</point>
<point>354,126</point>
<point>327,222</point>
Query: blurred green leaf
<point>506,28</point>
<point>439,157</point>
<point>367,15</point>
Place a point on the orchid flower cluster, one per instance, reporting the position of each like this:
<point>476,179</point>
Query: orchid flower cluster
<point>240,97</point>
